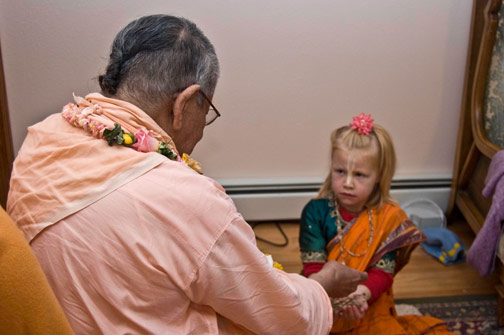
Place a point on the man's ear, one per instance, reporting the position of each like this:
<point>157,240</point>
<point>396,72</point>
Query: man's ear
<point>180,104</point>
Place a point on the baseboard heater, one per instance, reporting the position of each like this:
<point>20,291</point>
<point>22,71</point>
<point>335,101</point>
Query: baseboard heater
<point>277,201</point>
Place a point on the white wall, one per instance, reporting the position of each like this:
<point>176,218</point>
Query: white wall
<point>291,72</point>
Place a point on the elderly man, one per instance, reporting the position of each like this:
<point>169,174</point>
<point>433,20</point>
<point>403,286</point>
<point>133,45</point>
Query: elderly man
<point>131,238</point>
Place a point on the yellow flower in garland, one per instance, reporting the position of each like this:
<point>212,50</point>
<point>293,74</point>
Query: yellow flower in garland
<point>273,263</point>
<point>278,265</point>
<point>127,139</point>
<point>193,164</point>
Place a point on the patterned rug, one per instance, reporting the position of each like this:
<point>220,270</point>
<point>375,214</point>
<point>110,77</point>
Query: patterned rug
<point>463,314</point>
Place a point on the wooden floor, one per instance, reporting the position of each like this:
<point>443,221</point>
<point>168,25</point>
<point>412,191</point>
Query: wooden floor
<point>424,276</point>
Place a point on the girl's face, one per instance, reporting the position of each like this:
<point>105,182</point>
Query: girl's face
<point>354,177</point>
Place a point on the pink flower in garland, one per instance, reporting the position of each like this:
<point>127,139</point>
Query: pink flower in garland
<point>145,141</point>
<point>97,129</point>
<point>363,123</point>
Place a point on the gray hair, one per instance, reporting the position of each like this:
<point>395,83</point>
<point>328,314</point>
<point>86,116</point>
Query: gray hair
<point>156,56</point>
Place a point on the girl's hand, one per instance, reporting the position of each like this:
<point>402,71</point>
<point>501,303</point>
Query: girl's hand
<point>355,311</point>
<point>354,306</point>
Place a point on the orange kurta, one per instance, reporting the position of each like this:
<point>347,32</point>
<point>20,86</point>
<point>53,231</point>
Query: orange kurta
<point>390,230</point>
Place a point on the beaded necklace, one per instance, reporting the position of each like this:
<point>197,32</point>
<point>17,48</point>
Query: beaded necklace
<point>343,231</point>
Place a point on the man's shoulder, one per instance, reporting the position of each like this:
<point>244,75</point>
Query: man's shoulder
<point>183,178</point>
<point>52,120</point>
<point>174,181</point>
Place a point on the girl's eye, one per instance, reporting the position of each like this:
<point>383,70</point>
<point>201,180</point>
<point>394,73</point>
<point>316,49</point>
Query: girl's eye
<point>339,171</point>
<point>358,174</point>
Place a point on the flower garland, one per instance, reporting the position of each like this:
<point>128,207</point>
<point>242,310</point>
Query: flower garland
<point>142,141</point>
<point>273,263</point>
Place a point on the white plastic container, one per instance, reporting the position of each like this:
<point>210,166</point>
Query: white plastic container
<point>424,213</point>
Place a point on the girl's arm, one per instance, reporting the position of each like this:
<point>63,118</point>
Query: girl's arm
<point>380,279</point>
<point>381,276</point>
<point>311,239</point>
<point>312,267</point>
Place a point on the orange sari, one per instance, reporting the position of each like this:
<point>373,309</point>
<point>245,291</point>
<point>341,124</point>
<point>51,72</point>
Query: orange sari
<point>391,230</point>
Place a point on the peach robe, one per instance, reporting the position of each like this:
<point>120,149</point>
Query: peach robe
<point>165,252</point>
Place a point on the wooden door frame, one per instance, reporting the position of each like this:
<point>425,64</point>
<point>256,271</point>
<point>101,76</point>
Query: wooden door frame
<point>6,148</point>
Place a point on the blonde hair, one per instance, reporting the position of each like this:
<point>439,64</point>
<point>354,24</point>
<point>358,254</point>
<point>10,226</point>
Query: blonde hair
<point>345,138</point>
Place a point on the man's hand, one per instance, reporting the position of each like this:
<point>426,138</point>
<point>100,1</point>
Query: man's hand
<point>337,279</point>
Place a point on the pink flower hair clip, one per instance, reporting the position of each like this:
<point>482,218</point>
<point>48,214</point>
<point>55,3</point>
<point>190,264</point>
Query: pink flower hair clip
<point>363,123</point>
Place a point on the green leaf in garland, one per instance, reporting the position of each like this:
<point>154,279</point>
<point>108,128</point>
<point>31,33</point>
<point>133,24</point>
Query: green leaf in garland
<point>114,135</point>
<point>166,151</point>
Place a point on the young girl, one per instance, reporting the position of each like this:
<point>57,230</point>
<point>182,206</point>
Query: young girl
<point>354,220</point>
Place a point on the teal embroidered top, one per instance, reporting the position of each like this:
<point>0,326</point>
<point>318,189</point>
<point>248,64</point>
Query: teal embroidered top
<point>318,227</point>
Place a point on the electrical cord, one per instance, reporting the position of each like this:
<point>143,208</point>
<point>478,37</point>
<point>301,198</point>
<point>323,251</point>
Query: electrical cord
<point>286,239</point>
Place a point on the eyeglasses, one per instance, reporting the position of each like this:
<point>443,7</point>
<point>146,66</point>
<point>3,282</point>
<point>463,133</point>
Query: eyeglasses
<point>213,113</point>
